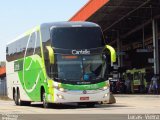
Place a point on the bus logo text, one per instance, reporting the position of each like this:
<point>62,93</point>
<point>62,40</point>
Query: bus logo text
<point>79,52</point>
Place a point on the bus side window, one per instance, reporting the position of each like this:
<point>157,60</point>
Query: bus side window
<point>31,43</point>
<point>37,44</point>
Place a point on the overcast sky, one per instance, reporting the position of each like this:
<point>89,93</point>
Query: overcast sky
<point>17,16</point>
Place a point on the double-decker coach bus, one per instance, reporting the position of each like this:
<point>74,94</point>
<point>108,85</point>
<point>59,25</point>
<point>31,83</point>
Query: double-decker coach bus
<point>59,63</point>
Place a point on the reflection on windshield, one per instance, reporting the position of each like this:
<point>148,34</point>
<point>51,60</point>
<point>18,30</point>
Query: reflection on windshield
<point>92,67</point>
<point>71,70</point>
<point>80,68</point>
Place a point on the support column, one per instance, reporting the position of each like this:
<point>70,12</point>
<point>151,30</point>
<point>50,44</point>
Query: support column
<point>119,46</point>
<point>155,46</point>
<point>120,55</point>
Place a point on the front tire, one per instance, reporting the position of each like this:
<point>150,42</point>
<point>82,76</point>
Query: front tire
<point>45,103</point>
<point>20,102</point>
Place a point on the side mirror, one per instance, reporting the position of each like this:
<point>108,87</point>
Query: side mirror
<point>112,52</point>
<point>50,54</point>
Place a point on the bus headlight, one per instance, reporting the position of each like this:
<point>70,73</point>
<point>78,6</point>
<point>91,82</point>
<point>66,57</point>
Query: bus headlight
<point>105,95</point>
<point>61,89</point>
<point>105,87</point>
<point>58,87</point>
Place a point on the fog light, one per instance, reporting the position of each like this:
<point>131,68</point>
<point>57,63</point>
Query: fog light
<point>60,96</point>
<point>106,95</point>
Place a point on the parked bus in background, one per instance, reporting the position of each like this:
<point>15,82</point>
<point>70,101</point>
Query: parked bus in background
<point>136,81</point>
<point>59,63</point>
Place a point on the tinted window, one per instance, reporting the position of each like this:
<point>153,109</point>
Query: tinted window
<point>77,37</point>
<point>33,44</point>
<point>37,46</point>
<point>16,50</point>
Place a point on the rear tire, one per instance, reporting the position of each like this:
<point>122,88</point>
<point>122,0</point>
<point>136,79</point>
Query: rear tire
<point>20,102</point>
<point>15,97</point>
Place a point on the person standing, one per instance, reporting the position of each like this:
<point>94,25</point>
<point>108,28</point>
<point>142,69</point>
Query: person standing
<point>128,85</point>
<point>154,81</point>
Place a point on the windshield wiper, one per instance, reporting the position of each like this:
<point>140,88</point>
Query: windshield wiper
<point>56,78</point>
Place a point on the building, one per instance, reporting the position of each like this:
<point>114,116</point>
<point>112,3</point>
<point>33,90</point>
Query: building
<point>132,27</point>
<point>3,86</point>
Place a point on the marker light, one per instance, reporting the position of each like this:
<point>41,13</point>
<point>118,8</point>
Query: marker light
<point>69,57</point>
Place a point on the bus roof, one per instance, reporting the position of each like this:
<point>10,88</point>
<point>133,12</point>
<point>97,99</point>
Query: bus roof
<point>57,24</point>
<point>70,24</point>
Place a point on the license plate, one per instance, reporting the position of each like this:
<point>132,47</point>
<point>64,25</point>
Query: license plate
<point>84,98</point>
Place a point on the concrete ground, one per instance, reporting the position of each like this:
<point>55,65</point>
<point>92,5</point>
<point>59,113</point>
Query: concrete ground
<point>125,105</point>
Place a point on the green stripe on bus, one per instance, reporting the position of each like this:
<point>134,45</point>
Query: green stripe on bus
<point>84,87</point>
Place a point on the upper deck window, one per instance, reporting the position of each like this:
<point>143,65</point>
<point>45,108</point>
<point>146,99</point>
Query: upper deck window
<point>77,37</point>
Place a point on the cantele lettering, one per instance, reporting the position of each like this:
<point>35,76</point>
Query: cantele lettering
<point>79,52</point>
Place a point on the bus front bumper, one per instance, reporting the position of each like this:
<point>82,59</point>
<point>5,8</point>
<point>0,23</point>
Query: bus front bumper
<point>81,96</point>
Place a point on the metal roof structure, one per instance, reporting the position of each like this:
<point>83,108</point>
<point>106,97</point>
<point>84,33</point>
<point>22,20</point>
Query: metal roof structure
<point>126,16</point>
<point>128,25</point>
<point>88,10</point>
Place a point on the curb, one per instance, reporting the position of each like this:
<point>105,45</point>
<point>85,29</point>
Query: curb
<point>140,96</point>
<point>5,98</point>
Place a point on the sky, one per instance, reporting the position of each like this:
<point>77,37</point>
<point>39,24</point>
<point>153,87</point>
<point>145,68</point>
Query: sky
<point>17,16</point>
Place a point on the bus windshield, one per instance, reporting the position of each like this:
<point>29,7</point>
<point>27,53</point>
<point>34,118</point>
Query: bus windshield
<point>81,68</point>
<point>77,37</point>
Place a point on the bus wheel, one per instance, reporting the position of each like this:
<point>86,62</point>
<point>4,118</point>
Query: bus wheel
<point>20,102</point>
<point>18,98</point>
<point>45,103</point>
<point>15,97</point>
<point>90,104</point>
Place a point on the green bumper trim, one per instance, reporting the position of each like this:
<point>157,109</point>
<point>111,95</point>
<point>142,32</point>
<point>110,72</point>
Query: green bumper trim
<point>84,87</point>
